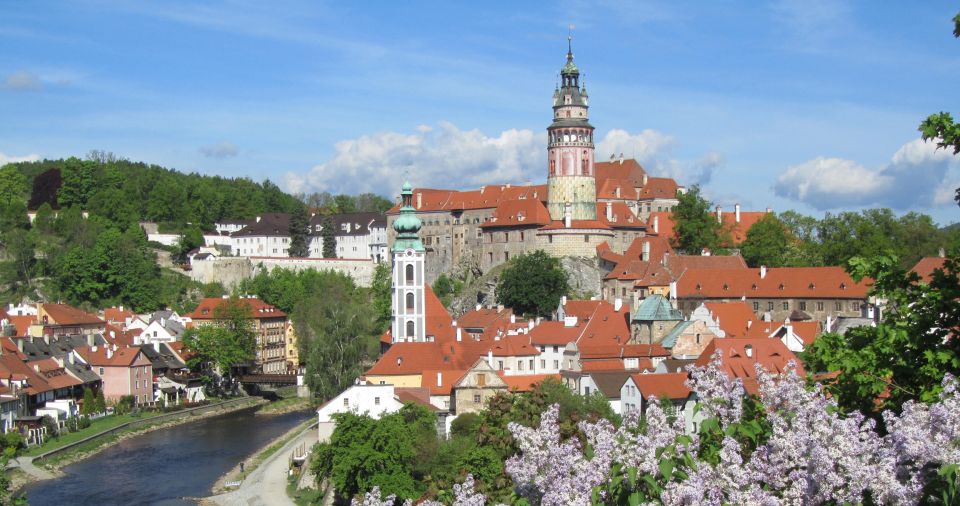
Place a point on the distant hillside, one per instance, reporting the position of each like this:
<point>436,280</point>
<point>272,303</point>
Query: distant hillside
<point>122,190</point>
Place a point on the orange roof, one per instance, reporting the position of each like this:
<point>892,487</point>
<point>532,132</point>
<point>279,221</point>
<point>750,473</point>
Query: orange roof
<point>438,321</point>
<point>607,254</point>
<point>62,314</point>
<point>554,333</point>
<point>926,266</point>
<point>101,357</point>
<point>180,349</point>
<point>404,359</point>
<point>482,318</point>
<point>207,308</point>
<point>632,265</point>
<point>659,188</point>
<point>779,282</point>
<point>117,315</point>
<point>524,383</point>
<point>806,331</point>
<point>628,171</point>
<point>53,373</point>
<point>447,379</point>
<point>738,229</point>
<point>607,364</point>
<point>739,356</point>
<point>514,346</point>
<point>671,385</point>
<point>514,213</point>
<point>732,316</point>
<point>622,216</point>
<point>609,189</point>
<point>488,197</point>
<point>22,323</point>
<point>415,395</point>
<point>660,223</point>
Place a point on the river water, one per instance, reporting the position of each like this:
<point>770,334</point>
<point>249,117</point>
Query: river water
<point>166,466</point>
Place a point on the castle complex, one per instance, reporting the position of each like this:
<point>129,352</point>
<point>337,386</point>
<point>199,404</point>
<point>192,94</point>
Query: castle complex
<point>584,206</point>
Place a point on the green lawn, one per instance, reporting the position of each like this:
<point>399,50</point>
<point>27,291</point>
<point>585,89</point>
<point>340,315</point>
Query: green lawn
<point>98,425</point>
<point>291,403</point>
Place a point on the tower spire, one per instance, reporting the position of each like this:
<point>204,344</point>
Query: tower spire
<point>570,43</point>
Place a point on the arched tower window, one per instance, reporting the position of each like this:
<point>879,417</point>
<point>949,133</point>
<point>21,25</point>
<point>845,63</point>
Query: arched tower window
<point>410,301</point>
<point>409,273</point>
<point>410,328</point>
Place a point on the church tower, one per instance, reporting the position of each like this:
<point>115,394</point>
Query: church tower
<point>571,184</point>
<point>408,313</point>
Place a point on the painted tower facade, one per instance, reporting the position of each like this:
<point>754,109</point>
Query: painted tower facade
<point>409,275</point>
<point>571,183</point>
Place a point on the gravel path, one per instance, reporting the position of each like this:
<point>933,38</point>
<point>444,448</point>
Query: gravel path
<point>267,484</point>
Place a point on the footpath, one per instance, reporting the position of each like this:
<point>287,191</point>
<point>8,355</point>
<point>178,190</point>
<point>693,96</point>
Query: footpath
<point>267,484</point>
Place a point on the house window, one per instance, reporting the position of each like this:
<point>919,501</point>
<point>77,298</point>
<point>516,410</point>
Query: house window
<point>410,329</point>
<point>770,306</point>
<point>855,305</point>
<point>409,270</point>
<point>500,364</point>
<point>586,390</point>
<point>376,401</point>
<point>531,364</point>
<point>756,306</point>
<point>803,305</point>
<point>555,348</point>
<point>819,306</point>
<point>410,301</point>
<point>506,256</point>
<point>519,365</point>
<point>346,402</point>
<point>839,306</point>
<point>482,380</point>
<point>543,364</point>
<point>556,364</point>
<point>586,238</point>
<point>521,235</point>
<point>786,305</point>
<point>101,371</point>
<point>476,398</point>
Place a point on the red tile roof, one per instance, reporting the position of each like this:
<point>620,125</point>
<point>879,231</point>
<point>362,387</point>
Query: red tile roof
<point>622,216</point>
<point>607,364</point>
<point>22,323</point>
<point>483,318</point>
<point>514,213</point>
<point>488,197</point>
<point>117,315</point>
<point>62,314</point>
<point>524,383</point>
<point>53,373</point>
<point>738,362</point>
<point>554,333</point>
<point>780,282</point>
<point>101,357</point>
<point>660,223</point>
<point>577,225</point>
<point>628,171</point>
<point>671,385</point>
<point>448,378</point>
<point>607,189</point>
<point>732,316</point>
<point>514,346</point>
<point>405,359</point>
<point>207,308</point>
<point>414,395</point>
<point>926,266</point>
<point>659,188</point>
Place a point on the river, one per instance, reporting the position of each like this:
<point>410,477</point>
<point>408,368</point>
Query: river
<point>166,466</point>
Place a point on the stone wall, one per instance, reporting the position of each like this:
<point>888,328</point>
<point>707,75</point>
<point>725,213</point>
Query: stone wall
<point>230,271</point>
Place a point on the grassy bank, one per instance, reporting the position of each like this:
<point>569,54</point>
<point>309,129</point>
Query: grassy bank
<point>286,405</point>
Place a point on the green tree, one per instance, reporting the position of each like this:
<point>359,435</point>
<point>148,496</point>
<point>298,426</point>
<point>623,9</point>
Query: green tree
<point>17,271</point>
<point>533,284</point>
<point>329,234</point>
<point>79,182</point>
<point>344,204</point>
<point>13,185</point>
<point>89,402</point>
<point>906,355</point>
<point>190,239</point>
<point>694,226</point>
<point>299,229</point>
<point>223,345</point>
<point>767,243</point>
<point>101,402</point>
<point>381,293</point>
<point>337,337</point>
<point>10,446</point>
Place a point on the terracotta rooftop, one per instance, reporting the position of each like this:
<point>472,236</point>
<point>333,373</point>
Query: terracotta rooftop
<point>926,266</point>
<point>101,357</point>
<point>780,282</point>
<point>739,356</point>
<point>524,383</point>
<point>671,385</point>
<point>62,314</point>
<point>518,213</point>
<point>207,309</point>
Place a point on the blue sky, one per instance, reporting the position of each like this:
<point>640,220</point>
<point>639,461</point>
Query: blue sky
<point>807,105</point>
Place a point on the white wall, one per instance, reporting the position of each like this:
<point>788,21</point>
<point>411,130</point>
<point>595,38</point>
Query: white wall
<point>374,400</point>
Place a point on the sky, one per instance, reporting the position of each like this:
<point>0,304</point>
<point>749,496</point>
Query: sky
<point>798,104</point>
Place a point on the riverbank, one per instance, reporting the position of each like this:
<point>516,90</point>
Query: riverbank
<point>286,405</point>
<point>53,459</point>
<point>264,480</point>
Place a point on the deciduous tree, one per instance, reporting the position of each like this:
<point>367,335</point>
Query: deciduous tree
<point>533,284</point>
<point>695,227</point>
<point>767,243</point>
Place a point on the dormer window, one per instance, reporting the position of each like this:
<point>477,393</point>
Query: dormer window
<point>843,286</point>
<point>812,286</point>
<point>781,286</point>
<point>726,286</point>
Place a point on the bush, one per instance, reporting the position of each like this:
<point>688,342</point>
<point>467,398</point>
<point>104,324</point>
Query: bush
<point>84,422</point>
<point>465,425</point>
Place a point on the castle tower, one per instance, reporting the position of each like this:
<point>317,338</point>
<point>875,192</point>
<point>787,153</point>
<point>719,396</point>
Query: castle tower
<point>408,275</point>
<point>570,181</point>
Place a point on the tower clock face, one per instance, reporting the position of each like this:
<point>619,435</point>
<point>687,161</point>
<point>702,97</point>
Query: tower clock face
<point>410,252</point>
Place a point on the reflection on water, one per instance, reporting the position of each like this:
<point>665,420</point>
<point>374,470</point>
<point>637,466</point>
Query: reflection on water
<point>165,466</point>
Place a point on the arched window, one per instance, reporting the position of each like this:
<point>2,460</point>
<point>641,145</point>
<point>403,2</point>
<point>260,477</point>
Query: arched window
<point>409,271</point>
<point>410,301</point>
<point>410,329</point>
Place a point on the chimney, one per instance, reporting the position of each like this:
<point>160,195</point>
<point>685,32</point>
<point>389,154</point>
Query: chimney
<point>736,210</point>
<point>673,290</point>
<point>609,211</point>
<point>567,215</point>
<point>46,339</point>
<point>645,179</point>
<point>656,225</point>
<point>156,346</point>
<point>617,192</point>
<point>769,210</point>
<point>479,306</point>
<point>93,349</point>
<point>513,318</point>
<point>563,300</point>
<point>621,158</point>
<point>258,219</point>
<point>530,325</point>
<point>829,324</point>
<point>20,345</point>
<point>459,334</point>
<point>617,304</point>
<point>749,322</point>
<point>109,353</point>
<point>646,251</point>
<point>719,215</point>
<point>71,358</point>
<point>91,340</point>
<point>419,200</point>
<point>763,271</point>
<point>749,350</point>
<point>666,259</point>
<point>490,358</point>
<point>941,253</point>
<point>439,379</point>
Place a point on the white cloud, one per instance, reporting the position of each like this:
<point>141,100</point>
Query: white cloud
<point>22,80</point>
<point>220,150</point>
<point>914,177</point>
<point>444,156</point>
<point>4,159</point>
